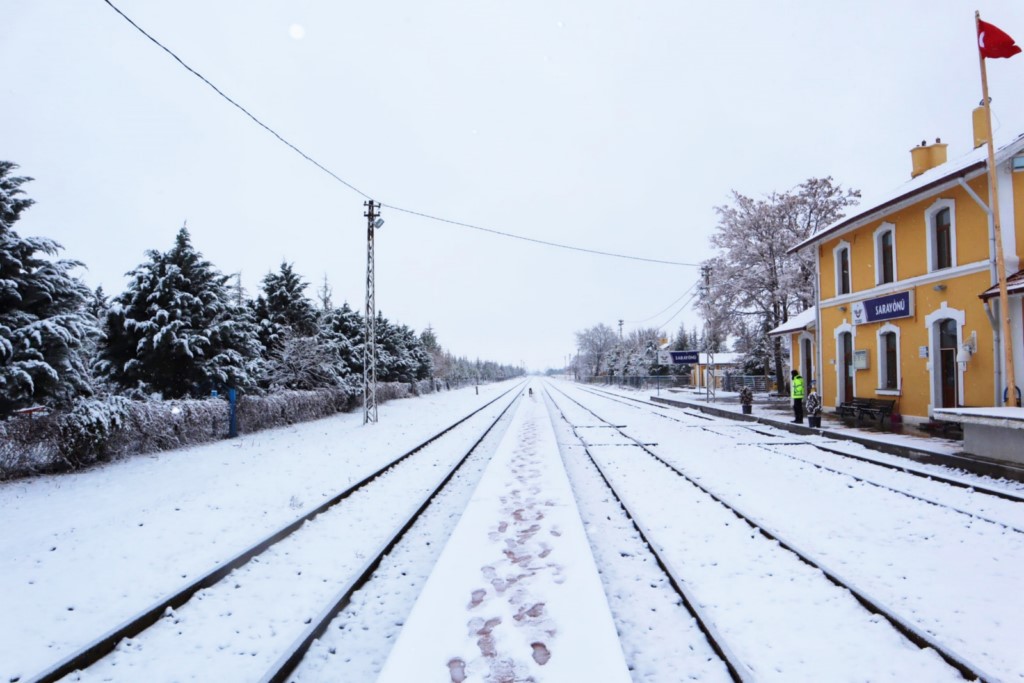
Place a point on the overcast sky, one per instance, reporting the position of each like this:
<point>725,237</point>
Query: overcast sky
<point>610,125</point>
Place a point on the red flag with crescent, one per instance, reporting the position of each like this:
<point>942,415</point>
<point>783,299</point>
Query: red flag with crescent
<point>994,42</point>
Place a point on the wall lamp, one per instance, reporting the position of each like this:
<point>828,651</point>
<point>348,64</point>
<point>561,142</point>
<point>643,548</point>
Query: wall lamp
<point>843,309</point>
<point>967,350</point>
<point>939,287</point>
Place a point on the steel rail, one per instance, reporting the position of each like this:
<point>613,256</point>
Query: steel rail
<point>290,659</point>
<point>959,483</point>
<point>738,670</point>
<point>103,645</point>
<point>969,670</point>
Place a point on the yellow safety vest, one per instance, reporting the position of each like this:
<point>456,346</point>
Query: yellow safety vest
<point>797,389</point>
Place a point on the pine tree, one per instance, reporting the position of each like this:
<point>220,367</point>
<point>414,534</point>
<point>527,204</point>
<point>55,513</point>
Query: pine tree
<point>342,329</point>
<point>283,310</point>
<point>323,295</point>
<point>44,323</point>
<point>176,330</point>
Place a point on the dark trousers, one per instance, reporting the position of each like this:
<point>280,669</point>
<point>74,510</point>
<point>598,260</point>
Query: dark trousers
<point>798,409</point>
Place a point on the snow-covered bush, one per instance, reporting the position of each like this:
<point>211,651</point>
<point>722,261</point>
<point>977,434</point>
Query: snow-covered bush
<point>289,407</point>
<point>106,429</point>
<point>86,430</point>
<point>28,445</point>
<point>101,430</point>
<point>163,425</point>
<point>424,386</point>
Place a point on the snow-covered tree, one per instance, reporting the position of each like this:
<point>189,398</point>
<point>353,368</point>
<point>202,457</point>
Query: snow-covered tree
<point>304,363</point>
<point>642,345</point>
<point>177,330</point>
<point>282,309</point>
<point>323,295</point>
<point>400,353</point>
<point>343,329</point>
<point>440,362</point>
<point>753,342</point>
<point>44,321</point>
<point>422,362</point>
<point>595,344</point>
<point>753,279</point>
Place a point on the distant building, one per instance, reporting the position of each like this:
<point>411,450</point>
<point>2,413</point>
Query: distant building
<point>721,363</point>
<point>906,288</point>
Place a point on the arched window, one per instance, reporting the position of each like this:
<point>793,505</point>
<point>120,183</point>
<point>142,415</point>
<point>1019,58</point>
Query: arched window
<point>941,221</point>
<point>841,254</point>
<point>889,358</point>
<point>885,254</point>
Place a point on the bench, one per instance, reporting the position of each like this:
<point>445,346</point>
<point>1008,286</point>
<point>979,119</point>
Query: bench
<point>875,408</point>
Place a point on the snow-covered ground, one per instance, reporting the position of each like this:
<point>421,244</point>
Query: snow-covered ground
<point>519,591</point>
<point>81,553</point>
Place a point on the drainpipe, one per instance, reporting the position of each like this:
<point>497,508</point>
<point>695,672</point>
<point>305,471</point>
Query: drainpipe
<point>993,319</point>
<point>818,332</point>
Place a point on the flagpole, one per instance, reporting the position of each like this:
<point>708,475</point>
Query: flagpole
<point>1004,309</point>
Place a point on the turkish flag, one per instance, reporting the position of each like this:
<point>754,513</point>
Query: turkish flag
<point>994,43</point>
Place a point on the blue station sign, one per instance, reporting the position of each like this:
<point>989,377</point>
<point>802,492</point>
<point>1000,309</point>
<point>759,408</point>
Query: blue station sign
<point>889,307</point>
<point>683,357</point>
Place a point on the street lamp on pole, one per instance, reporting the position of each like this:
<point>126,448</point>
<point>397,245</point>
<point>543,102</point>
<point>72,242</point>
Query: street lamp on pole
<point>373,221</point>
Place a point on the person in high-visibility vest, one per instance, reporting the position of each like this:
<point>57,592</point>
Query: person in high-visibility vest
<point>796,392</point>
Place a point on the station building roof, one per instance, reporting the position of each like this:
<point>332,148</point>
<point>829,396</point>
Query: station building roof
<point>932,181</point>
<point>798,323</point>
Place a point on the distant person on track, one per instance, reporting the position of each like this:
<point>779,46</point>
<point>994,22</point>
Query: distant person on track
<point>796,392</point>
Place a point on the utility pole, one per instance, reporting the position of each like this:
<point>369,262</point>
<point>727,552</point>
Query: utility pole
<point>710,334</point>
<point>373,221</point>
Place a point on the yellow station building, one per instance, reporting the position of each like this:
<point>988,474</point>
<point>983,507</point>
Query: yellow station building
<point>907,297</point>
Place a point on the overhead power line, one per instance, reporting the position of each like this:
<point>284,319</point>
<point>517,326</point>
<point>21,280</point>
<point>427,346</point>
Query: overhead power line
<point>355,189</point>
<point>664,325</point>
<point>688,290</point>
<point>531,239</point>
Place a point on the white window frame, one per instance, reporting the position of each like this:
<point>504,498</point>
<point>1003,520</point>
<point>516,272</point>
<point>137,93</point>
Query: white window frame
<point>807,364</point>
<point>882,367</point>
<point>943,312</point>
<point>929,220</point>
<point>878,234</point>
<point>840,380</point>
<point>843,244</point>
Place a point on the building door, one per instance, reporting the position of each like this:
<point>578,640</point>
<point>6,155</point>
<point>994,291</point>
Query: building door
<point>805,362</point>
<point>947,363</point>
<point>846,343</point>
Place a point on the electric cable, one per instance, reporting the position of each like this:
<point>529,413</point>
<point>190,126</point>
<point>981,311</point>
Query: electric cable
<point>688,290</point>
<point>531,239</point>
<point>681,308</point>
<point>356,189</point>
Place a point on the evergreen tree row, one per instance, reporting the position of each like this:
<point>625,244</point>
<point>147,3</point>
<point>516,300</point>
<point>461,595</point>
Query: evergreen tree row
<point>182,328</point>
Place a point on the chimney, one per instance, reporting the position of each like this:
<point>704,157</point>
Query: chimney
<point>926,157</point>
<point>981,131</point>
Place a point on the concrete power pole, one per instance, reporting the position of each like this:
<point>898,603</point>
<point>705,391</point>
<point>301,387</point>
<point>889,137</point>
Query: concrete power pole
<point>710,334</point>
<point>373,221</point>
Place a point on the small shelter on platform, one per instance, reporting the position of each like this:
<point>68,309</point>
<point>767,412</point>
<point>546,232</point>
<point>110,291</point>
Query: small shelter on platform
<point>720,363</point>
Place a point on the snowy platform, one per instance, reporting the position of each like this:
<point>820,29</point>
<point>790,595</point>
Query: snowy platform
<point>516,594</point>
<point>995,433</point>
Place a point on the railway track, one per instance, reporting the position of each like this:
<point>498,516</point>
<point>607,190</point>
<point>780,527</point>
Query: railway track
<point>742,665</point>
<point>816,443</point>
<point>163,619</point>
